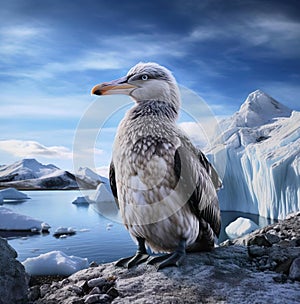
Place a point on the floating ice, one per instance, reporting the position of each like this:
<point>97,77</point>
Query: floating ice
<point>13,194</point>
<point>13,221</point>
<point>63,231</point>
<point>54,263</point>
<point>103,194</point>
<point>81,200</point>
<point>240,227</point>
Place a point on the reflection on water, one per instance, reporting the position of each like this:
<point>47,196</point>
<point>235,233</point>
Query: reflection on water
<point>98,238</point>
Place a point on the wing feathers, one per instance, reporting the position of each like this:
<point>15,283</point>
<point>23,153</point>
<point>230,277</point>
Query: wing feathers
<point>203,201</point>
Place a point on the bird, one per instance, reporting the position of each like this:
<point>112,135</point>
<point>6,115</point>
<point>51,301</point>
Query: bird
<point>165,187</point>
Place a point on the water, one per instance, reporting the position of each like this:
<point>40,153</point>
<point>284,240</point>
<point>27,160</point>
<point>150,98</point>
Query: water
<point>93,239</point>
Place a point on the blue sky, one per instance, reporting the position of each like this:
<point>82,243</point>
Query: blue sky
<point>53,52</point>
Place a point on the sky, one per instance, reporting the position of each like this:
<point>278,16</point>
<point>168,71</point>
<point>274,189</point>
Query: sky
<point>52,52</point>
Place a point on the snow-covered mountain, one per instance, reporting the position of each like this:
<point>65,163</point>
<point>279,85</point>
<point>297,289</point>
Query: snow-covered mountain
<point>25,169</point>
<point>30,174</point>
<point>261,149</point>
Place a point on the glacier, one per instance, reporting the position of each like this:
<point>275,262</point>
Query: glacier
<point>260,145</point>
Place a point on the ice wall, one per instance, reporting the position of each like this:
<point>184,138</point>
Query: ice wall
<point>262,146</point>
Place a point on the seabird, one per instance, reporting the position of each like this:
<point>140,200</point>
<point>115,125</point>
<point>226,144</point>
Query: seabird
<point>164,186</point>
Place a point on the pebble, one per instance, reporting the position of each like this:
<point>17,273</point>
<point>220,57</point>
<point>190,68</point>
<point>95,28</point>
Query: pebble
<point>97,298</point>
<point>96,282</point>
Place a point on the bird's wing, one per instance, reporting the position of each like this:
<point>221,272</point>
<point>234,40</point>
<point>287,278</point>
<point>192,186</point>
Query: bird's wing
<point>203,200</point>
<point>210,170</point>
<point>112,182</point>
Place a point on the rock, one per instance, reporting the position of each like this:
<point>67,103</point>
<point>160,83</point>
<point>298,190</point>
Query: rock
<point>93,264</point>
<point>97,298</point>
<point>99,282</point>
<point>13,279</point>
<point>113,292</point>
<point>95,290</point>
<point>259,240</point>
<point>34,293</point>
<point>256,251</point>
<point>294,272</point>
<point>272,238</point>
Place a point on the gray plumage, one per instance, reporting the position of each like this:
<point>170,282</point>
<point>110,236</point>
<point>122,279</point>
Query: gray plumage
<point>164,186</point>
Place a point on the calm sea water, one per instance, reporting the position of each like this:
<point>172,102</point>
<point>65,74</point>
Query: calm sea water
<point>97,238</point>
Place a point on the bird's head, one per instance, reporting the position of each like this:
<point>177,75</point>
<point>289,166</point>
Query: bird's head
<point>144,82</point>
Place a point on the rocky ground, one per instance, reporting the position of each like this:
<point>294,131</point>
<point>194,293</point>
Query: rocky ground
<point>262,267</point>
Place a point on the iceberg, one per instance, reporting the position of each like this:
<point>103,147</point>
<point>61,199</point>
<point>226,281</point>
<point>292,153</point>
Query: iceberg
<point>12,194</point>
<point>261,145</point>
<point>241,226</point>
<point>104,202</point>
<point>81,200</point>
<point>54,263</point>
<point>103,194</point>
<point>63,231</point>
<point>12,221</point>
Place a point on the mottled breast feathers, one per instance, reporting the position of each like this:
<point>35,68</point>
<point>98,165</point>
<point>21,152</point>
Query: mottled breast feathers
<point>202,200</point>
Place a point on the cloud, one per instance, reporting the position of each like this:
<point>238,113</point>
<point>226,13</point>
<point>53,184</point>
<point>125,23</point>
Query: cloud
<point>273,32</point>
<point>21,40</point>
<point>110,53</point>
<point>23,149</point>
<point>195,132</point>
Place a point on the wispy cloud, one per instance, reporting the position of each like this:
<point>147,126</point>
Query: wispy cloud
<point>23,149</point>
<point>273,32</point>
<point>20,40</point>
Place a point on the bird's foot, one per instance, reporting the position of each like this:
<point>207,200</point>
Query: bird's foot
<point>172,259</point>
<point>167,260</point>
<point>134,260</point>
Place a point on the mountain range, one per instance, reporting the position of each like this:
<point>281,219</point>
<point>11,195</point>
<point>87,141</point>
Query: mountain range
<point>30,174</point>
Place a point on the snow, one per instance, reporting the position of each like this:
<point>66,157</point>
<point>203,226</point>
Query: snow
<point>10,220</point>
<point>241,226</point>
<point>12,194</point>
<point>25,169</point>
<point>54,263</point>
<point>90,176</point>
<point>262,148</point>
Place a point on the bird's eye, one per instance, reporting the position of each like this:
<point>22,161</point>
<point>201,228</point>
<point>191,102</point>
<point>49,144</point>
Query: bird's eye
<point>144,77</point>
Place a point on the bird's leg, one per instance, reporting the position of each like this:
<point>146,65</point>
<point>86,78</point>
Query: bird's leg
<point>172,259</point>
<point>140,257</point>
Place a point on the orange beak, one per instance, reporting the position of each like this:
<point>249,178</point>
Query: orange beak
<point>118,86</point>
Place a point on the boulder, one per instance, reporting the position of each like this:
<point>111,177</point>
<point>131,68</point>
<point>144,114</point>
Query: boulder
<point>13,279</point>
<point>295,269</point>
